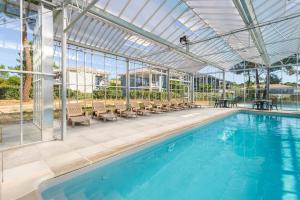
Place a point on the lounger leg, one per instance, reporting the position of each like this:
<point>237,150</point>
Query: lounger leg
<point>73,124</point>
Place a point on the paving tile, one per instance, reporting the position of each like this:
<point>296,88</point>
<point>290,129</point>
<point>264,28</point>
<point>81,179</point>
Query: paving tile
<point>67,162</point>
<point>24,179</point>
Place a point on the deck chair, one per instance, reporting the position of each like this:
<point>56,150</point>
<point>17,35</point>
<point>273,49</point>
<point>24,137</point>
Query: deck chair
<point>122,111</point>
<point>75,114</point>
<point>166,105</point>
<point>190,104</point>
<point>135,106</point>
<point>100,112</point>
<point>160,105</point>
<point>183,104</point>
<point>148,105</point>
<point>174,105</point>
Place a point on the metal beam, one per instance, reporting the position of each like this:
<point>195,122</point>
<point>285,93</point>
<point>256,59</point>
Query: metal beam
<point>102,15</point>
<point>83,12</point>
<point>246,11</point>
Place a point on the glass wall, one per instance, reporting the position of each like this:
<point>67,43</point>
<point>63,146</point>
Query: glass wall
<point>23,75</point>
<point>247,82</point>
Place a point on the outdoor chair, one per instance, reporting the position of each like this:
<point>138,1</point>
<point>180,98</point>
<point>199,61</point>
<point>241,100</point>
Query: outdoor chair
<point>135,106</point>
<point>148,105</point>
<point>274,103</point>
<point>182,104</point>
<point>233,102</point>
<point>122,110</point>
<point>101,112</point>
<point>75,114</point>
<point>255,104</point>
<point>159,104</point>
<point>216,104</point>
<point>174,105</point>
<point>166,105</point>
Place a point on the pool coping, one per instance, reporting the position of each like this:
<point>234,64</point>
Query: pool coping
<point>125,150</point>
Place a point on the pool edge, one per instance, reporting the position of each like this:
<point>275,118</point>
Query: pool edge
<point>129,149</point>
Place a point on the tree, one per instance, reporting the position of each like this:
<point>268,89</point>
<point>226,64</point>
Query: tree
<point>27,54</point>
<point>288,67</point>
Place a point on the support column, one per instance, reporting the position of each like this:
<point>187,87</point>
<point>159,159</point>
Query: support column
<point>127,84</point>
<point>64,73</point>
<point>193,88</point>
<point>297,80</point>
<point>224,85</point>
<point>47,52</point>
<point>268,83</point>
<point>150,79</point>
<point>168,85</point>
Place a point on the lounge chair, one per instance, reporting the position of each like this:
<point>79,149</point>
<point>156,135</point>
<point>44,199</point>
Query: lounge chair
<point>100,112</point>
<point>190,104</point>
<point>135,106</point>
<point>160,105</point>
<point>174,105</point>
<point>122,111</point>
<point>75,114</point>
<point>148,105</point>
<point>166,105</point>
<point>186,103</point>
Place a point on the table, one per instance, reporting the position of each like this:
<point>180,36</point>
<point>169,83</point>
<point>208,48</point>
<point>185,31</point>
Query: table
<point>262,104</point>
<point>224,103</point>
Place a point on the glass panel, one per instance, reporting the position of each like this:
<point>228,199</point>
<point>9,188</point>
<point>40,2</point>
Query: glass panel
<point>9,109</point>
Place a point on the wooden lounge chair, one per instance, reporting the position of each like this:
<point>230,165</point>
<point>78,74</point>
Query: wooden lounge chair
<point>148,105</point>
<point>191,104</point>
<point>100,112</point>
<point>122,111</point>
<point>75,114</point>
<point>174,105</point>
<point>160,105</point>
<point>135,106</point>
<point>183,104</point>
<point>166,105</point>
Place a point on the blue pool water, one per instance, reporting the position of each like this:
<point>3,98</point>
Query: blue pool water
<point>243,156</point>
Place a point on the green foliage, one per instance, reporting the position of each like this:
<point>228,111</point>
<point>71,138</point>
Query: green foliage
<point>9,85</point>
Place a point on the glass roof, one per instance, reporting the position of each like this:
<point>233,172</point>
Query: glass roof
<point>216,29</point>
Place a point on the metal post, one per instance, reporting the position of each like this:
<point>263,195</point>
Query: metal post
<point>244,86</point>
<point>21,75</point>
<point>224,85</point>
<point>268,83</point>
<point>297,80</point>
<point>64,74</point>
<point>193,88</point>
<point>127,84</point>
<point>168,84</point>
<point>150,79</point>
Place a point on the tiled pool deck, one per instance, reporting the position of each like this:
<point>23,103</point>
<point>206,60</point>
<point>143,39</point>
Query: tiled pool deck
<point>25,168</point>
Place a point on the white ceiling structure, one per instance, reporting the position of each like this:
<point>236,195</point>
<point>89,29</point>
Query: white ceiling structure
<point>221,33</point>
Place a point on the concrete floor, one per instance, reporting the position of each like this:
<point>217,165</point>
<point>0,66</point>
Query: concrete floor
<point>25,168</point>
